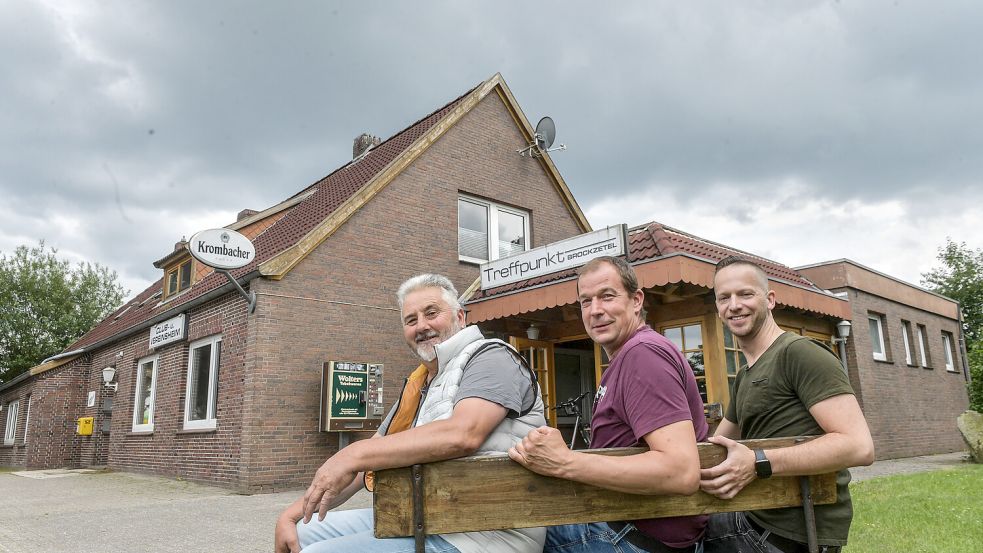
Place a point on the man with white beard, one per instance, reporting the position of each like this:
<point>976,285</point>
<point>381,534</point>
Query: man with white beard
<point>469,395</point>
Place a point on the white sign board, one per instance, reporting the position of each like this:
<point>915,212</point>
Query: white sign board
<point>171,330</point>
<point>221,248</point>
<point>558,256</point>
<point>91,400</point>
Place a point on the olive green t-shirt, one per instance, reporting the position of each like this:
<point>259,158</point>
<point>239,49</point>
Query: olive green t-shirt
<point>771,400</point>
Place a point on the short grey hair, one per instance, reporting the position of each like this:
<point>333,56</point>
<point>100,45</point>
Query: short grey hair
<point>429,280</point>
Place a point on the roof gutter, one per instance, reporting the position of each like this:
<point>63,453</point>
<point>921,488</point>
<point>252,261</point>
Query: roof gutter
<point>61,355</point>
<point>204,298</point>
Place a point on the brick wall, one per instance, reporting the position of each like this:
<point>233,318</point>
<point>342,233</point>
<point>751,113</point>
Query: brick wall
<point>911,410</point>
<point>408,228</point>
<point>211,456</point>
<point>15,454</point>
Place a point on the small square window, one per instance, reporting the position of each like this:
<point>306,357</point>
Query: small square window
<point>487,231</point>
<point>177,278</point>
<point>201,398</point>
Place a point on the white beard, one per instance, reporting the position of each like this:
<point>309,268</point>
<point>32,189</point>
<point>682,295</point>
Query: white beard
<point>428,352</point>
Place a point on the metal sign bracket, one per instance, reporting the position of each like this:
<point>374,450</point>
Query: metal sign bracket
<point>250,296</point>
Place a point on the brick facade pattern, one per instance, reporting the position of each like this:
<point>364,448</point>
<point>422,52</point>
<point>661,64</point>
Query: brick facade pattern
<point>911,410</point>
<point>339,303</point>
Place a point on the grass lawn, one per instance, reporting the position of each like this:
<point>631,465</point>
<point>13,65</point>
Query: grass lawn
<point>931,512</point>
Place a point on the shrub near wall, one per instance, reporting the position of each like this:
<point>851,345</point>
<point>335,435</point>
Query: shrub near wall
<point>975,384</point>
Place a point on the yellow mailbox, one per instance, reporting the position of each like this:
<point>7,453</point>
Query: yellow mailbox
<point>84,427</point>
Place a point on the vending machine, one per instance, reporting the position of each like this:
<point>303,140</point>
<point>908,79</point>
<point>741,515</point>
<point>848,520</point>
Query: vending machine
<point>351,396</point>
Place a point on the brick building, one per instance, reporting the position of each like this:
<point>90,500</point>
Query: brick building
<point>236,401</point>
<point>906,358</point>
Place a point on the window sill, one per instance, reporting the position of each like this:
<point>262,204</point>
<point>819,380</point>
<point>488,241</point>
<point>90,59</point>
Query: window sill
<point>928,368</point>
<point>197,430</point>
<point>884,361</point>
<point>140,433</point>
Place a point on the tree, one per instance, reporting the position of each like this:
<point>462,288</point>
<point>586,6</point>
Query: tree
<point>961,278</point>
<point>46,304</point>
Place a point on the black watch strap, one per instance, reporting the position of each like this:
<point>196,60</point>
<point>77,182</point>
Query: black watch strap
<point>762,466</point>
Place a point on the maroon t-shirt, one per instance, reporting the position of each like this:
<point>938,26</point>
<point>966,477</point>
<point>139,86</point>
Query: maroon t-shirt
<point>648,385</point>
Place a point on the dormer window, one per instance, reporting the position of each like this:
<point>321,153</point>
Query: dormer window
<point>177,278</point>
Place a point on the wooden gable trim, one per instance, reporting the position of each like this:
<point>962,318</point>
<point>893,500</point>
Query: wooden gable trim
<point>279,265</point>
<point>528,131</point>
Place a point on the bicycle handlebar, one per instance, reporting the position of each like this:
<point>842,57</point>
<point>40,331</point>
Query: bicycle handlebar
<point>572,402</point>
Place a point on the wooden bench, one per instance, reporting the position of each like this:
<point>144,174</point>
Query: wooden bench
<point>491,492</point>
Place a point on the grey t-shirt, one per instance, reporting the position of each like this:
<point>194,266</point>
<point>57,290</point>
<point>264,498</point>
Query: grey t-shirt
<point>494,375</point>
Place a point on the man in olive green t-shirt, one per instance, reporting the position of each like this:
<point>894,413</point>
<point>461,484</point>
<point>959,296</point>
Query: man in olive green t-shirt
<point>791,386</point>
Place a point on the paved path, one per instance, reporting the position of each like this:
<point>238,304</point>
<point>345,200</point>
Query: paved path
<point>115,512</point>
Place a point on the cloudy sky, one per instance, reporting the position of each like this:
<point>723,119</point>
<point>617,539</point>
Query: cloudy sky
<point>800,131</point>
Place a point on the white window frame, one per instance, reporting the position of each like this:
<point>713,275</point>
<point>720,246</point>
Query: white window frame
<point>138,409</point>
<point>947,346</point>
<point>905,330</point>
<point>211,419</point>
<point>921,346</point>
<point>875,321</point>
<point>492,210</point>
<point>27,419</point>
<point>10,430</point>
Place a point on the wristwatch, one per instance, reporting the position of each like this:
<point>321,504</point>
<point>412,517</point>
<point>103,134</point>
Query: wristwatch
<point>762,466</point>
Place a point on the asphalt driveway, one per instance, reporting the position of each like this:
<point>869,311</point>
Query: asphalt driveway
<point>113,512</point>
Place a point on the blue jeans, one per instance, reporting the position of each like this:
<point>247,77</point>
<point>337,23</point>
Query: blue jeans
<point>351,531</point>
<point>597,536</point>
<point>731,533</point>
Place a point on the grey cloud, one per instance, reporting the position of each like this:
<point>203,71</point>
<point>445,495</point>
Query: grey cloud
<point>251,101</point>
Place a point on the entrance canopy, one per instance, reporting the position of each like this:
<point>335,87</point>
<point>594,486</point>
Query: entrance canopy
<point>662,256</point>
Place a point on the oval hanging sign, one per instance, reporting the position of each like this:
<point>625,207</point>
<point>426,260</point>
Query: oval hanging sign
<point>221,248</point>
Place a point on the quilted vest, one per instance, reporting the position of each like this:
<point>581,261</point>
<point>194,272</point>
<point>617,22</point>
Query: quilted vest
<point>452,358</point>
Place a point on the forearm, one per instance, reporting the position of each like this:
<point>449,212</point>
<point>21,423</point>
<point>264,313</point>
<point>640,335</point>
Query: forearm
<point>648,473</point>
<point>436,441</point>
<point>827,453</point>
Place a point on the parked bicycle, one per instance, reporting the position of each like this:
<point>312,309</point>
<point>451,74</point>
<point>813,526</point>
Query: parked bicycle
<point>571,407</point>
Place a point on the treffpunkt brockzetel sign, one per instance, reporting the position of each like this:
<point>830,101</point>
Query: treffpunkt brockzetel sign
<point>565,254</point>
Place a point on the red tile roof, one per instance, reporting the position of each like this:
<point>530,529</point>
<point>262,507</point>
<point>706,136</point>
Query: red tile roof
<point>331,192</point>
<point>655,240</point>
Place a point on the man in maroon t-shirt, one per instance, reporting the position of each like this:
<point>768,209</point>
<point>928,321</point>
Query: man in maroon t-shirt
<point>648,397</point>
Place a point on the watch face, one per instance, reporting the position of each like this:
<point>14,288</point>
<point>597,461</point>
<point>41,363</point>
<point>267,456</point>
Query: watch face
<point>762,466</point>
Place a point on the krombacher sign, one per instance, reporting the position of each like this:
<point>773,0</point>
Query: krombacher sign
<point>565,254</point>
<point>221,248</point>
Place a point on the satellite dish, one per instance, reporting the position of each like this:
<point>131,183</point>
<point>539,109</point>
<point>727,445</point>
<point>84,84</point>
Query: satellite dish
<point>545,133</point>
<point>542,139</point>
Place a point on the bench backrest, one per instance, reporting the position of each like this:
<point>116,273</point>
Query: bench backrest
<point>491,492</point>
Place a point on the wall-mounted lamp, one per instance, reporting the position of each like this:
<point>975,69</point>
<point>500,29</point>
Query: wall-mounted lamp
<point>532,332</point>
<point>843,331</point>
<point>108,374</point>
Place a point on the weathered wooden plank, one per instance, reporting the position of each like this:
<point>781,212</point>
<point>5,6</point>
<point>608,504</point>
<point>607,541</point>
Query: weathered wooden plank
<point>492,492</point>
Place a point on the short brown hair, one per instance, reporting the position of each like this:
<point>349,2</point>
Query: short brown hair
<point>629,280</point>
<point>740,260</point>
